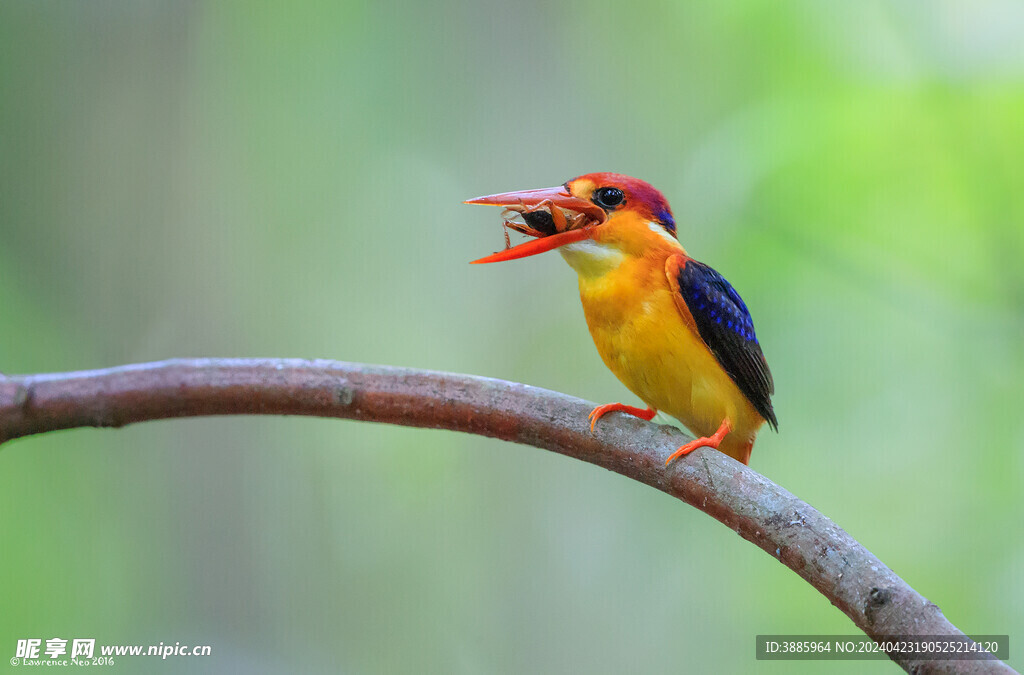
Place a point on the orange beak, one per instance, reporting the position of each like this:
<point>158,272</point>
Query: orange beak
<point>558,197</point>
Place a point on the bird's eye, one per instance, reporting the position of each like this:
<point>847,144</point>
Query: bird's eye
<point>608,197</point>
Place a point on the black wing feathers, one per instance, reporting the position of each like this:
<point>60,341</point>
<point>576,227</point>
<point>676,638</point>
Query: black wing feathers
<point>724,324</point>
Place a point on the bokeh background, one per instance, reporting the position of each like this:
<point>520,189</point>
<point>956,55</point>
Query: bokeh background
<point>284,179</point>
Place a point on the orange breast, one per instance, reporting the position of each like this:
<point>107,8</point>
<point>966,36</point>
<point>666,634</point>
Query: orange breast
<point>644,340</point>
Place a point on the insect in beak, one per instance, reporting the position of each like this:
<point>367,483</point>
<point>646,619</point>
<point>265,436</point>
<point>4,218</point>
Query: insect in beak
<point>552,215</point>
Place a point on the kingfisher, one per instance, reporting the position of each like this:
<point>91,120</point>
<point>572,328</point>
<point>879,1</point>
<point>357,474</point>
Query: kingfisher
<point>672,329</point>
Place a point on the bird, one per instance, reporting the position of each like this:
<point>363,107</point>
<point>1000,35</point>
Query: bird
<point>670,328</point>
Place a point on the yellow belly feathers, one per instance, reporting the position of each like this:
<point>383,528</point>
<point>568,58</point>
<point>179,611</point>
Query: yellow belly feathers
<point>642,338</point>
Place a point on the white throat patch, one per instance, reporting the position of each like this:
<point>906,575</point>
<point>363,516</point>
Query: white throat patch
<point>656,228</point>
<point>590,258</point>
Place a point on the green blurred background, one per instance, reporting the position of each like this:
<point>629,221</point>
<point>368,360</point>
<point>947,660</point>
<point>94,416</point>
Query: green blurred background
<point>284,179</point>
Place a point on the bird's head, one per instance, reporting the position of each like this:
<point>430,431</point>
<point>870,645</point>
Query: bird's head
<point>608,208</point>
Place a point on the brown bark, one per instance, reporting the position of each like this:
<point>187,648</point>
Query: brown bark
<point>879,602</point>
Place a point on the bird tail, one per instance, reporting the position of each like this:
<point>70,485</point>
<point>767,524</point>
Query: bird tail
<point>746,450</point>
<point>740,452</point>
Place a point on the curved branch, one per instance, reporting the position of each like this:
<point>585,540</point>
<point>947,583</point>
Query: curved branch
<point>855,581</point>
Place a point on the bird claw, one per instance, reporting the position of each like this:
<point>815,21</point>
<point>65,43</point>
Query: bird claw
<point>601,410</point>
<point>712,441</point>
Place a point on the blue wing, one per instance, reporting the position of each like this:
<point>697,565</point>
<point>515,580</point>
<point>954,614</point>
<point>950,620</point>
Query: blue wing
<point>725,326</point>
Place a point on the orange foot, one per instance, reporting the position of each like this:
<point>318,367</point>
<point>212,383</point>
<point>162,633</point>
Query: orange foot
<point>706,442</point>
<point>601,410</point>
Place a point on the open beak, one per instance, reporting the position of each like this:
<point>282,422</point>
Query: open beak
<point>557,197</point>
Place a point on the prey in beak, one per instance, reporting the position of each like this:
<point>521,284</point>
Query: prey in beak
<point>553,215</point>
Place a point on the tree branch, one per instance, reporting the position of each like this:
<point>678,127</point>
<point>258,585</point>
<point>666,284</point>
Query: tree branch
<point>855,581</point>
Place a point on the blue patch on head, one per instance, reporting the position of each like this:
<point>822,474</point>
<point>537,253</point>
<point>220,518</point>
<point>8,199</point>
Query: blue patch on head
<point>667,221</point>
